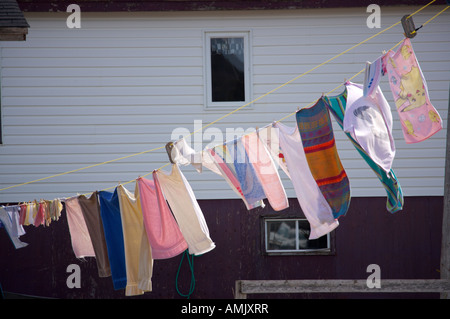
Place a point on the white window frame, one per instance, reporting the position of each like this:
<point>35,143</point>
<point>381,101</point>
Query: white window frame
<point>297,250</point>
<point>208,35</point>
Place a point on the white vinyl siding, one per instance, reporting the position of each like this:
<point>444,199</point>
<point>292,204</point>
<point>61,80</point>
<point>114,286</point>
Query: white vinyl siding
<point>124,82</point>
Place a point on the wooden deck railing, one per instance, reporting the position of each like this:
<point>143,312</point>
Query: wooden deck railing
<point>245,287</point>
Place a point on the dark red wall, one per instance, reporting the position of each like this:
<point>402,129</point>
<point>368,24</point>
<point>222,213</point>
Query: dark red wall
<point>406,245</point>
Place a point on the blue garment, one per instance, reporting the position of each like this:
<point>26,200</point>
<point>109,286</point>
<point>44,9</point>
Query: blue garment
<point>235,157</point>
<point>246,174</point>
<point>112,226</point>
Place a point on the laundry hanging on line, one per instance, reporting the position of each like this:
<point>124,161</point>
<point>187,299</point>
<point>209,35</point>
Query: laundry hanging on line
<point>79,234</point>
<point>228,156</point>
<point>9,219</point>
<point>138,257</point>
<point>90,209</point>
<point>32,213</point>
<point>246,165</point>
<point>109,226</point>
<point>113,232</point>
<point>247,180</point>
<point>418,117</point>
<point>372,78</point>
<point>232,160</point>
<point>394,203</point>
<point>316,132</point>
<point>163,233</point>
<point>314,205</point>
<point>368,119</point>
<point>186,210</point>
<point>266,171</point>
<point>374,141</point>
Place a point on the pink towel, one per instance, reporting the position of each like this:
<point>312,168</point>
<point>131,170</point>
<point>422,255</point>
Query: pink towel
<point>266,171</point>
<point>419,118</point>
<point>81,241</point>
<point>163,233</point>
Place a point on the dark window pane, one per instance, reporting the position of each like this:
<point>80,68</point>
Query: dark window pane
<point>303,235</point>
<point>227,69</point>
<point>281,235</point>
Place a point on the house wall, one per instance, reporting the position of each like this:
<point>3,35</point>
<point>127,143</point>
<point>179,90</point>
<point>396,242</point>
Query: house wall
<point>124,82</point>
<point>405,245</point>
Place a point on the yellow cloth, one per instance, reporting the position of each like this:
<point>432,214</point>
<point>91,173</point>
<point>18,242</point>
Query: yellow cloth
<point>138,257</point>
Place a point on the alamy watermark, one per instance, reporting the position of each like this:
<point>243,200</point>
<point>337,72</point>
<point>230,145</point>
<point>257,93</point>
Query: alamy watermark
<point>374,19</point>
<point>74,279</point>
<point>73,21</point>
<point>239,148</point>
<point>374,279</point>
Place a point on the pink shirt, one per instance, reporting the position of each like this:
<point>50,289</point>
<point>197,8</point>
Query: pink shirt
<point>266,171</point>
<point>163,233</point>
<point>81,241</point>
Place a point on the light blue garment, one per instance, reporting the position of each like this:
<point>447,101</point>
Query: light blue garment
<point>236,158</point>
<point>9,218</point>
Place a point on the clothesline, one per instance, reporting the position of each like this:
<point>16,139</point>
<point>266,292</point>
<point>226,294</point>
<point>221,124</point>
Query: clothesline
<point>235,110</point>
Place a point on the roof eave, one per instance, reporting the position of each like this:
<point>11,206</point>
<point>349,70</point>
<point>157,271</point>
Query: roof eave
<point>201,5</point>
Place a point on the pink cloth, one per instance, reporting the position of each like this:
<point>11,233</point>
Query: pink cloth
<point>226,173</point>
<point>266,171</point>
<point>40,217</point>
<point>81,241</point>
<point>23,213</point>
<point>186,210</point>
<point>163,233</point>
<point>418,117</point>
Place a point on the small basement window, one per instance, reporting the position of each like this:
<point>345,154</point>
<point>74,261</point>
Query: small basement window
<point>290,236</point>
<point>227,69</point>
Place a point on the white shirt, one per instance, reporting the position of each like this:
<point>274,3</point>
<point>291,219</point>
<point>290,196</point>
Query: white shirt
<point>314,205</point>
<point>369,121</point>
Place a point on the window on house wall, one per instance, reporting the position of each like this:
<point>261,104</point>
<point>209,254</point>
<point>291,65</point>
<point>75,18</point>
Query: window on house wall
<point>227,69</point>
<point>291,236</point>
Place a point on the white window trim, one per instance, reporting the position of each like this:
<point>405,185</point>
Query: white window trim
<point>209,104</point>
<point>291,251</point>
